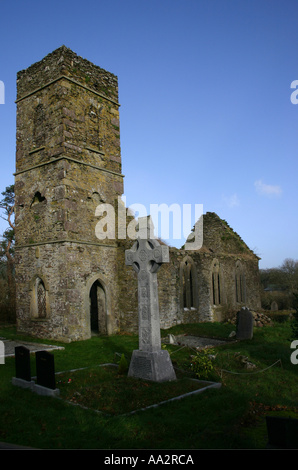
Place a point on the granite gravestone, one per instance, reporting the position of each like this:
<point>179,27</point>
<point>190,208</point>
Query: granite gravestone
<point>244,324</point>
<point>23,368</point>
<point>22,363</point>
<point>146,256</point>
<point>45,372</point>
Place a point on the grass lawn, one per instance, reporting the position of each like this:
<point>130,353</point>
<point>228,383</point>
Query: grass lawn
<point>230,417</point>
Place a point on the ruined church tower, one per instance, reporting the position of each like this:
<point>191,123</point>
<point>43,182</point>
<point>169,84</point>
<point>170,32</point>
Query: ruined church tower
<point>67,163</point>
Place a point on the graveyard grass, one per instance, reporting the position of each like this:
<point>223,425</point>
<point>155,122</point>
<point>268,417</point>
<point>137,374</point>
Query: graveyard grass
<point>230,417</point>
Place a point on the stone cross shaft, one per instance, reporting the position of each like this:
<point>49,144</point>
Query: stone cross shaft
<point>146,257</point>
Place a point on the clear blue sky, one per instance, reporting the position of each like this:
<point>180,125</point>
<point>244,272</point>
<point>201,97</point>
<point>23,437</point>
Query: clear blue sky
<point>204,86</point>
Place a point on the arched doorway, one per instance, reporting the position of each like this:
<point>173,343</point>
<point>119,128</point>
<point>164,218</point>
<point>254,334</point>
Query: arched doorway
<point>98,314</point>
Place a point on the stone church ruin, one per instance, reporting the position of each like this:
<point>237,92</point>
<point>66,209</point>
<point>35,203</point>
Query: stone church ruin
<point>68,161</point>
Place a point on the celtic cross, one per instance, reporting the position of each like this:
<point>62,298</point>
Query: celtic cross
<point>146,257</point>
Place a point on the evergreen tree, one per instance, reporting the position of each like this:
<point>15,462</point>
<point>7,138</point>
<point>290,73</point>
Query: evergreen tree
<point>7,205</point>
<point>294,325</point>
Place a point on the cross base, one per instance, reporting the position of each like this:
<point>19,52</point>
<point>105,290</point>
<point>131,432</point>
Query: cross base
<point>152,365</point>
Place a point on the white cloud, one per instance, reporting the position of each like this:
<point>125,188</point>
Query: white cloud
<point>267,189</point>
<point>231,201</point>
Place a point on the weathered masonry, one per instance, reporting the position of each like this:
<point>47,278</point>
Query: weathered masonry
<point>68,161</point>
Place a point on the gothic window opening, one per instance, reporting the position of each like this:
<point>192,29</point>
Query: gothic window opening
<point>191,293</point>
<point>41,300</point>
<point>218,288</point>
<point>189,286</point>
<point>213,289</point>
<point>216,284</point>
<point>240,284</point>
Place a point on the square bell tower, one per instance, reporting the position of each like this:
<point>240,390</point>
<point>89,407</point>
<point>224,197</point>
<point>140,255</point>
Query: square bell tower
<point>68,161</point>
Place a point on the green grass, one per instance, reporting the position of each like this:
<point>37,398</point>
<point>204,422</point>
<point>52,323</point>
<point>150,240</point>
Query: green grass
<point>231,417</point>
<point>105,390</point>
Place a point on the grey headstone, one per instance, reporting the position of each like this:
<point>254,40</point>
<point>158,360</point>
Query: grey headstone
<point>146,257</point>
<point>244,324</point>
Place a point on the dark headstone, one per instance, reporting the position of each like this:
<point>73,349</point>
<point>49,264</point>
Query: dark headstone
<point>292,433</point>
<point>244,324</point>
<point>45,369</point>
<point>22,363</point>
<point>282,432</point>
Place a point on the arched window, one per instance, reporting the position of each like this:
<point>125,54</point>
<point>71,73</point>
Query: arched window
<point>189,284</point>
<point>240,284</point>
<point>216,284</point>
<point>39,299</point>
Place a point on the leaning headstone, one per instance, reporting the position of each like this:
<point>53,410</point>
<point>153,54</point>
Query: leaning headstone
<point>274,306</point>
<point>244,324</point>
<point>172,339</point>
<point>22,367</point>
<point>146,256</point>
<point>45,374</point>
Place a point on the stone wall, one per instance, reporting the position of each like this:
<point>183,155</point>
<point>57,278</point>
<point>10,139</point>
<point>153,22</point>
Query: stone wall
<point>68,271</point>
<point>240,260</point>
